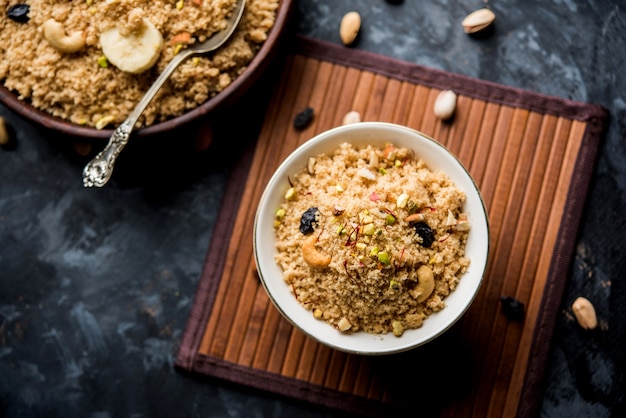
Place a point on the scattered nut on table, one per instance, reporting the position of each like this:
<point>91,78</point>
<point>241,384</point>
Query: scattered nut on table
<point>7,138</point>
<point>349,28</point>
<point>478,21</point>
<point>351,117</point>
<point>585,313</point>
<point>445,105</point>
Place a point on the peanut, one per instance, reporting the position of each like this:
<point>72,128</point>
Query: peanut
<point>349,28</point>
<point>585,313</point>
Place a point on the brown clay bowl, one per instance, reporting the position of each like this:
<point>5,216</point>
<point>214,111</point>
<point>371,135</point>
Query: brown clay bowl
<point>229,95</point>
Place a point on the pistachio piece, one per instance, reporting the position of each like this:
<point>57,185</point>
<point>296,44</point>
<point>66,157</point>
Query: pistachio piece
<point>445,105</point>
<point>585,313</point>
<point>478,21</point>
<point>349,28</point>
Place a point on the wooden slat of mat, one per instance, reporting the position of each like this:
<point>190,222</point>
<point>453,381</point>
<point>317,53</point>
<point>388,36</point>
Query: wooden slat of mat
<point>522,161</point>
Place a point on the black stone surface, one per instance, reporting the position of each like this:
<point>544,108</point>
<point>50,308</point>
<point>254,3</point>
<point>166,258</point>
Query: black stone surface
<point>96,285</point>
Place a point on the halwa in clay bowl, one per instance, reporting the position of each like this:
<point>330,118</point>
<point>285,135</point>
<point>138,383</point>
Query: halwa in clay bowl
<point>81,67</point>
<point>371,238</point>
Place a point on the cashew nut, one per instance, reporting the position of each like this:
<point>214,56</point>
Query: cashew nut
<point>312,256</point>
<point>425,283</point>
<point>54,32</point>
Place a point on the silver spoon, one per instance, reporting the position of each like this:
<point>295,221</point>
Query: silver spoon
<point>98,171</point>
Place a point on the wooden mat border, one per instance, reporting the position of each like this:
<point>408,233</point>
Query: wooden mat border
<point>189,359</point>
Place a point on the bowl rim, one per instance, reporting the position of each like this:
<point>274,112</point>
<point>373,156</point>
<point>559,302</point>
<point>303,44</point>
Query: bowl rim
<point>233,91</point>
<point>322,140</point>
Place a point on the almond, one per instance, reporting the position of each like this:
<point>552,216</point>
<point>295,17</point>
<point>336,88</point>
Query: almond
<point>349,28</point>
<point>478,20</point>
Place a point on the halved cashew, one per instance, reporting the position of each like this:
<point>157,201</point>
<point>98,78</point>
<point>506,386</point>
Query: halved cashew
<point>54,32</point>
<point>312,256</point>
<point>425,283</point>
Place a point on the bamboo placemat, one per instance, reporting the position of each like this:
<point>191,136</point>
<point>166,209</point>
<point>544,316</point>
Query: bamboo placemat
<point>531,155</point>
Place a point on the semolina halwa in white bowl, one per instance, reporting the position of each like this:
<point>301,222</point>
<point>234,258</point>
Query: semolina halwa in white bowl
<point>349,274</point>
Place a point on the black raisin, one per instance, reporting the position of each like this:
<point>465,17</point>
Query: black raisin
<point>513,309</point>
<point>303,118</point>
<point>19,13</point>
<point>426,234</point>
<point>308,221</point>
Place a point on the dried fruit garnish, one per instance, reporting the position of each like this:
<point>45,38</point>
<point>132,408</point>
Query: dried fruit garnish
<point>308,221</point>
<point>513,309</point>
<point>426,234</point>
<point>303,118</point>
<point>19,13</point>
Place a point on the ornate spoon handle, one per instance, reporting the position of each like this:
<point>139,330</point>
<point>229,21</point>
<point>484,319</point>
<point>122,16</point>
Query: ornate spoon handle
<point>99,170</point>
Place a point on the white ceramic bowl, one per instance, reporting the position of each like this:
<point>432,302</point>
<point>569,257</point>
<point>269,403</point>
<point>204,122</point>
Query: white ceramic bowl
<point>438,158</point>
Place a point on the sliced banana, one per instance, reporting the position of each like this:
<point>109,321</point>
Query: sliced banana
<point>134,53</point>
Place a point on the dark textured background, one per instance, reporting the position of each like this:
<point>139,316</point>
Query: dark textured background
<point>96,285</point>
